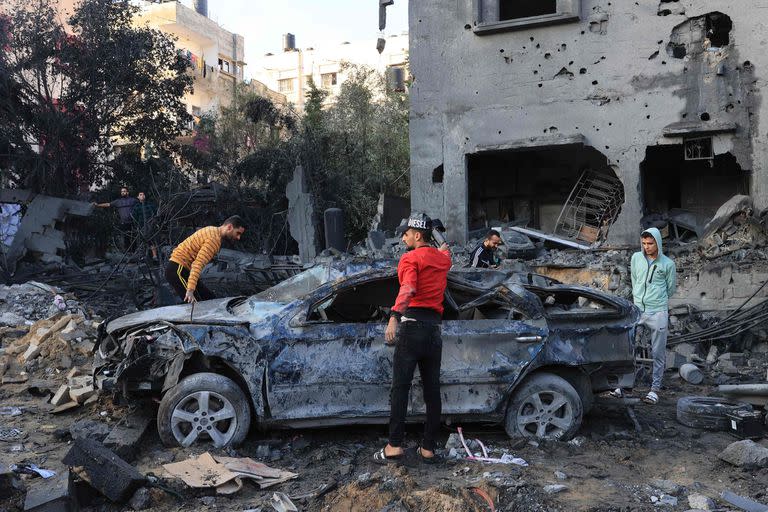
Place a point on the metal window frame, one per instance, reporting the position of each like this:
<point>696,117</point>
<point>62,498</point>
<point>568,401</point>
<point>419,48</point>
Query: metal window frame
<point>567,11</point>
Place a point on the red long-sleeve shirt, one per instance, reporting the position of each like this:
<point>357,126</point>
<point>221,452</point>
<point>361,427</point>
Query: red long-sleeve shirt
<point>423,277</point>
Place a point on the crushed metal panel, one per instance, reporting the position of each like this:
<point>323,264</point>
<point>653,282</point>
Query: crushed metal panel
<point>552,238</point>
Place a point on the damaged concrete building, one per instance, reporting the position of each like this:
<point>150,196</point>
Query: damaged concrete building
<point>514,103</point>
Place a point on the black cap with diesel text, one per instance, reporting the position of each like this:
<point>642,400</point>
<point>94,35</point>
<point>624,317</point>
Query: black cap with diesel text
<point>417,221</point>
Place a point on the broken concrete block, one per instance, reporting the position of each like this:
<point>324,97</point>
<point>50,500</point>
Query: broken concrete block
<point>61,396</point>
<point>746,453</point>
<point>82,394</point>
<point>15,379</point>
<point>55,494</point>
<point>81,382</point>
<point>700,502</point>
<point>125,437</point>
<point>688,350</point>
<point>108,473</point>
<point>74,372</point>
<point>32,352</point>
<point>675,360</point>
<point>65,407</point>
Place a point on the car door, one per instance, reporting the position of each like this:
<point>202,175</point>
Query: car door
<point>332,368</point>
<point>483,357</point>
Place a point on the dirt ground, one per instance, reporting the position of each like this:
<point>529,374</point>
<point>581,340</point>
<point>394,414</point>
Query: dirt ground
<point>608,467</point>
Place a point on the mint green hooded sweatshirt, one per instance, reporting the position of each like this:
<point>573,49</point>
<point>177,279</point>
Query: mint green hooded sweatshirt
<point>652,283</point>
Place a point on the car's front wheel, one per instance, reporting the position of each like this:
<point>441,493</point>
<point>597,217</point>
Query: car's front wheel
<point>545,406</point>
<point>204,407</point>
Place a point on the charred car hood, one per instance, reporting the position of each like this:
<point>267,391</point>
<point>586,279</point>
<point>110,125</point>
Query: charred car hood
<point>210,312</point>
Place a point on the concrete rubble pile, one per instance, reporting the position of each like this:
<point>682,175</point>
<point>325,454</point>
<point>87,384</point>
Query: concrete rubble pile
<point>46,336</point>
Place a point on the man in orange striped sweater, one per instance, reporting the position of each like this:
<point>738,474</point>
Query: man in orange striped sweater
<point>190,257</point>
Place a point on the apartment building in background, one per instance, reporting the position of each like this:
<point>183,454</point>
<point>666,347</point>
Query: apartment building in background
<point>290,70</point>
<point>216,54</point>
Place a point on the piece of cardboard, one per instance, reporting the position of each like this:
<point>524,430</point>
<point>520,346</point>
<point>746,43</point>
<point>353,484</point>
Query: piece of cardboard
<point>200,472</point>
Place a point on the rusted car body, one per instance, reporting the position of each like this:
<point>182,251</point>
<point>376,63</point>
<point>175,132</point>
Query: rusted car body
<point>310,351</point>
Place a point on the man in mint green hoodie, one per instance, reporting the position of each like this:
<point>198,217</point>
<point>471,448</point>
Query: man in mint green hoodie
<point>653,282</point>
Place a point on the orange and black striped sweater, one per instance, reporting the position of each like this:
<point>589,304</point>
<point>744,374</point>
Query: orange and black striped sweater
<point>197,251</point>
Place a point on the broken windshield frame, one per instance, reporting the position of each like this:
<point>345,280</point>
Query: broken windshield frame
<point>299,285</point>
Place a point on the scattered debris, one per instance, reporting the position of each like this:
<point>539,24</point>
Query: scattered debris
<point>125,437</point>
<point>700,502</point>
<point>743,503</point>
<point>226,473</point>
<point>555,488</point>
<point>282,503</point>
<point>52,494</point>
<point>506,458</point>
<point>32,469</point>
<point>103,470</point>
<point>664,500</point>
<point>10,435</point>
<point>38,228</point>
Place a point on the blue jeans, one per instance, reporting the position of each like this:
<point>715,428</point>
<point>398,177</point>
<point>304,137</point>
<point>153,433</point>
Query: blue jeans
<point>418,343</point>
<point>656,323</point>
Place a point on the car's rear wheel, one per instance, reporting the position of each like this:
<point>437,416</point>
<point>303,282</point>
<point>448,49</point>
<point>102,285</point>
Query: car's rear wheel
<point>204,407</point>
<point>545,406</point>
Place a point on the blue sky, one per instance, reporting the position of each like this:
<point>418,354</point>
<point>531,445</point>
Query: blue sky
<point>314,22</point>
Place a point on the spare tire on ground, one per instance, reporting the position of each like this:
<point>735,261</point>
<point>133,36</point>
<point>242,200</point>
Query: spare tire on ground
<point>707,412</point>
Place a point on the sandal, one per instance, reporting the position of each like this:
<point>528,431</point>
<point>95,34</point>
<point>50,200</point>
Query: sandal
<point>380,457</point>
<point>651,398</point>
<point>435,459</point>
<point>616,393</point>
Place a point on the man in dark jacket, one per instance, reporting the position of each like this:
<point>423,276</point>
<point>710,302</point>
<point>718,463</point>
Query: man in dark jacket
<point>124,205</point>
<point>142,213</point>
<point>415,322</point>
<point>484,255</point>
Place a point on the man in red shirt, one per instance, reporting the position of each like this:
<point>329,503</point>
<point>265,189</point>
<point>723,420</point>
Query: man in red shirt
<point>415,323</point>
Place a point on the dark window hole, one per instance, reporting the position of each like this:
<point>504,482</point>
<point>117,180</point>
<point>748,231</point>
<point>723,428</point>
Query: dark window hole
<point>438,173</point>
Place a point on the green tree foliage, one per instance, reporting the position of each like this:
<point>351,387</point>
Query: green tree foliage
<point>357,147</point>
<point>353,148</point>
<point>65,98</point>
<point>222,141</point>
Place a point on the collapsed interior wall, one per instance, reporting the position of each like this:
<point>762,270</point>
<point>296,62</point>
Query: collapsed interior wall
<point>527,187</point>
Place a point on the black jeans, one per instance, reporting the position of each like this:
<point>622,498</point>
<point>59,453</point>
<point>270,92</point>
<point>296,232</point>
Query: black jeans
<point>178,275</point>
<point>417,343</point>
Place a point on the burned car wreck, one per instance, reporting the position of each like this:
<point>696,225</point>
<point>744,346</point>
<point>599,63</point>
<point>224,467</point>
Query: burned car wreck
<point>518,348</point>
